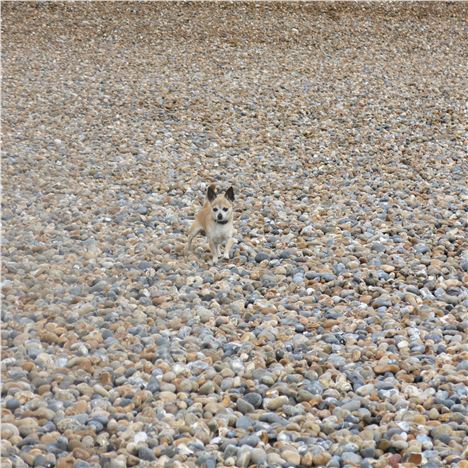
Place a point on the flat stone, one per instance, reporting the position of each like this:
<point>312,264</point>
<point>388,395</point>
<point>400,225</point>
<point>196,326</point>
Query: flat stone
<point>244,406</point>
<point>291,456</point>
<point>274,404</point>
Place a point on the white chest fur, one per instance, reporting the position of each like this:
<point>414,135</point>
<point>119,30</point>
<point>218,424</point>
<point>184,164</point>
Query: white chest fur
<point>221,232</point>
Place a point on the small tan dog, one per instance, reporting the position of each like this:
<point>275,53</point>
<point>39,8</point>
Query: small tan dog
<point>214,221</point>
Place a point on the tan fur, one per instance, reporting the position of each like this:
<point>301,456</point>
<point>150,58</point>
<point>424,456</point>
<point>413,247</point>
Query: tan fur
<point>205,223</point>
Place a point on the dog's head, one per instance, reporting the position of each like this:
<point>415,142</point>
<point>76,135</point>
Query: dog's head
<point>221,204</point>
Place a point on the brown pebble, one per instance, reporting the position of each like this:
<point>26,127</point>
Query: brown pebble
<point>81,453</point>
<point>28,366</point>
<point>105,378</point>
<point>383,368</point>
<point>415,458</point>
<point>66,462</point>
<point>78,408</point>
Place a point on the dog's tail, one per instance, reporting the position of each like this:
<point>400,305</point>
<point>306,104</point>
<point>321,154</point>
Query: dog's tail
<point>211,193</point>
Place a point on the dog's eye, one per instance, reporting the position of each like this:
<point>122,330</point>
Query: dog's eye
<point>225,209</point>
<point>215,209</point>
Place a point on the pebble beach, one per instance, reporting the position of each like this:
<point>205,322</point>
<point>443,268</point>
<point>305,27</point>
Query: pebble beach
<point>335,335</point>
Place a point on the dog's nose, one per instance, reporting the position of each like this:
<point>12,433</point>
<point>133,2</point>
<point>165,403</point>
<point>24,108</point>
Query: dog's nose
<point>220,216</point>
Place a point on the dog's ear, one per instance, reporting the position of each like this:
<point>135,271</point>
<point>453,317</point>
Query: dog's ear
<point>211,193</point>
<point>229,194</point>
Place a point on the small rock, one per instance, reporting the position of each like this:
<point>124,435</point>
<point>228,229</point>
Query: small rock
<point>244,422</point>
<point>351,458</point>
<point>258,456</point>
<point>254,398</point>
<point>291,456</point>
<point>261,256</point>
<point>244,406</point>
<point>146,454</point>
<point>274,404</point>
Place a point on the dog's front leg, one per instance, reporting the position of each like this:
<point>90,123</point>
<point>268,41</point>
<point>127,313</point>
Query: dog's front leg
<point>214,251</point>
<point>227,249</point>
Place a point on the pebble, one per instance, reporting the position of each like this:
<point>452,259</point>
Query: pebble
<point>243,459</point>
<point>261,256</point>
<point>291,456</point>
<point>244,423</point>
<point>351,458</point>
<point>253,398</point>
<point>146,454</point>
<point>334,334</point>
<point>274,404</point>
<point>12,404</point>
<point>258,456</point>
<point>244,406</point>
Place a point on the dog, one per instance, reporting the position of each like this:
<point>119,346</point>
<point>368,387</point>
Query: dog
<point>215,221</point>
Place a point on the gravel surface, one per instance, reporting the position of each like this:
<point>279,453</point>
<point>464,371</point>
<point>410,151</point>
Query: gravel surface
<point>336,333</point>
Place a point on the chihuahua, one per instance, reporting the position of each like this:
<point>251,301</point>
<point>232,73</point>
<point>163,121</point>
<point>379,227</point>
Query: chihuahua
<point>214,221</point>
